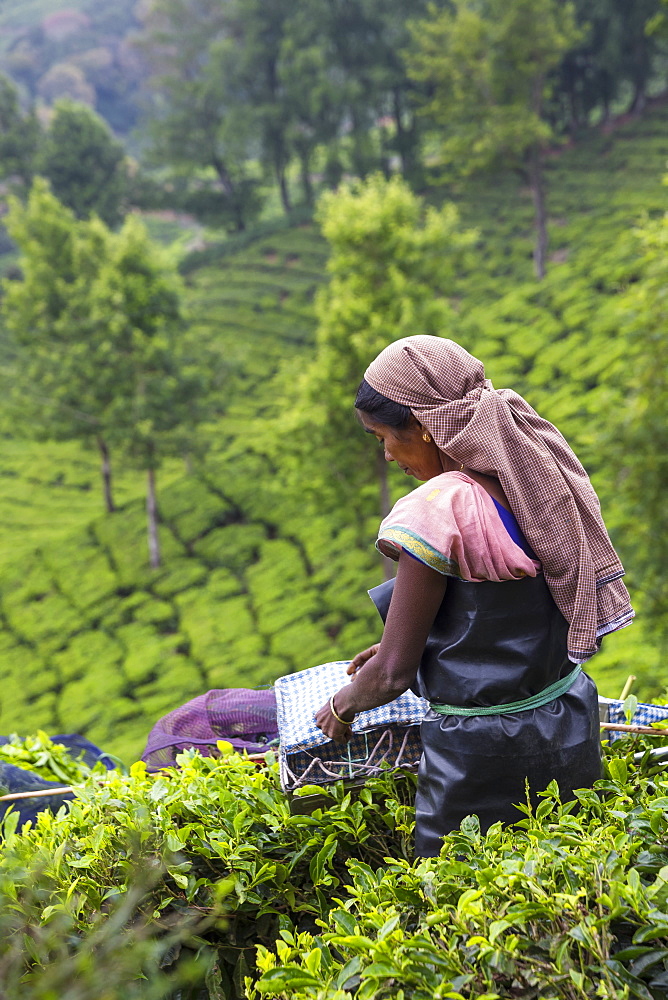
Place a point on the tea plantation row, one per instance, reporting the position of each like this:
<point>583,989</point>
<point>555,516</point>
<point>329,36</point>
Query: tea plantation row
<point>205,882</point>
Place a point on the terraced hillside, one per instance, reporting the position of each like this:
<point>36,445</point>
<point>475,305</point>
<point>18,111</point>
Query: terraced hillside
<point>256,306</point>
<point>254,583</point>
<point>92,640</point>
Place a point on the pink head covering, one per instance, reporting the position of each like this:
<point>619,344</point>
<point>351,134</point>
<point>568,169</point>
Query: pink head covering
<point>495,431</point>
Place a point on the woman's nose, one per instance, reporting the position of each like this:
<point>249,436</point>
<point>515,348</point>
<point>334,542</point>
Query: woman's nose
<point>388,456</point>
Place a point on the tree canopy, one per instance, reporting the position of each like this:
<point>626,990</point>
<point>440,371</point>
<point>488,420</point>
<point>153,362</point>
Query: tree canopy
<point>83,162</point>
<point>392,263</point>
<point>96,320</point>
<point>486,68</point>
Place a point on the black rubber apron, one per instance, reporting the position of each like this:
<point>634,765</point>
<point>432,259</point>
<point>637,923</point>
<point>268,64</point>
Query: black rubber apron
<point>493,644</point>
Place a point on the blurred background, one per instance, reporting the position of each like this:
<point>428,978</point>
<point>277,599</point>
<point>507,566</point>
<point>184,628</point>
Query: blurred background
<point>214,214</point>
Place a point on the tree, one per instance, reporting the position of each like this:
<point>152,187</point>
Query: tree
<point>97,327</point>
<point>63,81</point>
<point>200,115</point>
<point>84,163</point>
<point>19,135</point>
<point>276,80</point>
<point>370,37</point>
<point>617,48</point>
<point>487,67</point>
<point>392,265</point>
<point>311,85</point>
<point>157,390</point>
<point>48,314</point>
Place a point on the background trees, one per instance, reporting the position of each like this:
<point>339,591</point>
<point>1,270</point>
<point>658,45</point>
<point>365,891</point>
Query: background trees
<point>200,117</point>
<point>247,101</point>
<point>97,324</point>
<point>486,69</point>
<point>19,133</point>
<point>75,151</point>
<point>275,81</point>
<point>638,444</point>
<point>83,162</point>
<point>392,261</point>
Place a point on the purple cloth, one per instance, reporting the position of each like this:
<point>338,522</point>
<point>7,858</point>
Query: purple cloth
<point>243,717</point>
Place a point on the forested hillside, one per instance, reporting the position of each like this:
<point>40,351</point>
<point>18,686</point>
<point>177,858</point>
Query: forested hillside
<point>80,51</point>
<point>254,584</point>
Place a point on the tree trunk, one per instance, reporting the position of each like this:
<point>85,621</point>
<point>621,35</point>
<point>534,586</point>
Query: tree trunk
<point>639,101</point>
<point>283,187</point>
<point>152,520</point>
<point>540,216</point>
<point>106,476</point>
<point>574,126</point>
<point>389,565</point>
<point>406,138</point>
<point>360,152</point>
<point>230,190</point>
<point>305,175</point>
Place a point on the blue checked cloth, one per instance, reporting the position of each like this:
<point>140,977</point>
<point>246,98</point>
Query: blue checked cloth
<point>645,715</point>
<point>300,695</point>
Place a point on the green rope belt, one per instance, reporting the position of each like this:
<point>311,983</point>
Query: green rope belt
<point>535,701</point>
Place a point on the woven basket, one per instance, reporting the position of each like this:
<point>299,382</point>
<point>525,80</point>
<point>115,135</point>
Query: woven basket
<point>385,737</point>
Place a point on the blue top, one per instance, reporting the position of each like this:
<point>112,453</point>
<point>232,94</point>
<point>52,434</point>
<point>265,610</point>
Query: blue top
<point>513,529</point>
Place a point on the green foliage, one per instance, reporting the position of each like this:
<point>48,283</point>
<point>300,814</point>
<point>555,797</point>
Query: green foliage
<point>321,893</point>
<point>486,69</point>
<point>486,73</point>
<point>83,162</point>
<point>204,118</point>
<point>263,863</point>
<point>571,902</point>
<point>41,756</point>
<point>19,134</point>
<point>94,641</point>
<point>97,316</point>
<point>122,953</point>
<point>293,85</point>
<point>641,430</point>
<point>393,262</point>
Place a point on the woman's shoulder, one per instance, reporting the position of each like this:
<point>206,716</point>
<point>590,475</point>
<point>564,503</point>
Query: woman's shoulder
<point>442,489</point>
<point>453,524</point>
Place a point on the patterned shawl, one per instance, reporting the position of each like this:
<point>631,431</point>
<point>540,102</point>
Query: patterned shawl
<point>451,524</point>
<point>496,432</point>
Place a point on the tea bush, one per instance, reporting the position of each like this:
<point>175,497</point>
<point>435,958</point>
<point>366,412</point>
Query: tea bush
<point>216,828</point>
<point>243,893</point>
<point>572,903</point>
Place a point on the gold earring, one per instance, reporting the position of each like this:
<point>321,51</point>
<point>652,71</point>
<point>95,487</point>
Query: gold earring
<point>426,437</point>
<point>461,467</point>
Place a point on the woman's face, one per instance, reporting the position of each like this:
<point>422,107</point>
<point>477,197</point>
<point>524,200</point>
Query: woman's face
<point>407,447</point>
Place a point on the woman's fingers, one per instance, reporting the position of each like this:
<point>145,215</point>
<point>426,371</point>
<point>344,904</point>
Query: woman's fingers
<point>332,727</point>
<point>361,658</point>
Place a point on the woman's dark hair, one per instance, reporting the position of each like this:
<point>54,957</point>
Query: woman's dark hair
<point>382,409</point>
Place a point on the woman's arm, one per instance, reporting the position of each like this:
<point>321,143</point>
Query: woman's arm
<point>418,593</point>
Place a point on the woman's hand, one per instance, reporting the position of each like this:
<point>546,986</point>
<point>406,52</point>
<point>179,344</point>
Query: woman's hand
<point>332,727</point>
<point>418,594</point>
<point>361,658</point>
<point>324,719</point>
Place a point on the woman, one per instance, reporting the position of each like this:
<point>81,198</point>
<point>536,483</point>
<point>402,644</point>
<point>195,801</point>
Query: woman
<point>506,583</point>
